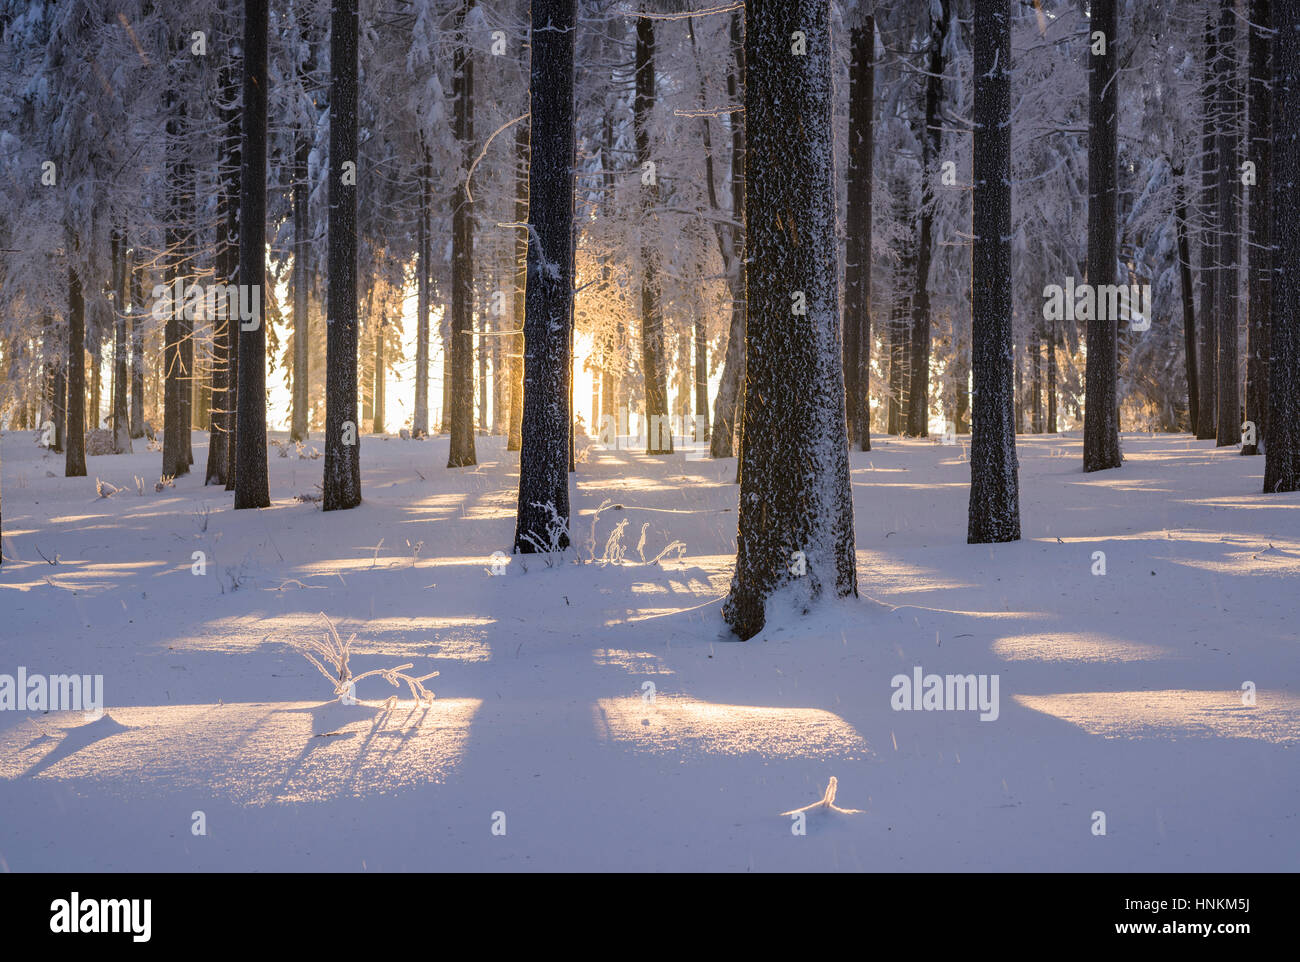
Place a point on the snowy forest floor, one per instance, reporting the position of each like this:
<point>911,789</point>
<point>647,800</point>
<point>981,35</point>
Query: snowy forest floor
<point>1118,693</point>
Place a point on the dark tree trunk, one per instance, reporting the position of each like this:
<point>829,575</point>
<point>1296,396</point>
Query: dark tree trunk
<point>226,267</point>
<point>420,417</point>
<point>174,463</point>
<point>794,493</point>
<point>342,487</point>
<point>931,142</point>
<point>137,351</point>
<point>302,246</point>
<point>654,365</point>
<point>857,269</point>
<point>75,437</point>
<point>515,438</point>
<point>251,484</point>
<point>185,319</point>
<point>1034,344</point>
<point>1207,380</point>
<point>1101,411</point>
<point>1189,308</point>
<point>726,404</point>
<point>462,451</point>
<point>121,416</point>
<point>1259,274</point>
<point>1282,449</point>
<point>233,174</point>
<point>1051,377</point>
<point>92,348</point>
<point>61,399</point>
<point>544,454</point>
<point>1229,401</point>
<point>994,471</point>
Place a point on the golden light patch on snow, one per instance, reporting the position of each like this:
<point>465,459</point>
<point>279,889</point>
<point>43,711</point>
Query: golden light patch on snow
<point>633,662</point>
<point>1173,713</point>
<point>673,723</point>
<point>251,753</point>
<point>458,637</point>
<point>1076,646</point>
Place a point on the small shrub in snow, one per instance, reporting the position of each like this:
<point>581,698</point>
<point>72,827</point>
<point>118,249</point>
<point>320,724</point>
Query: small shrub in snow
<point>557,531</point>
<point>335,652</point>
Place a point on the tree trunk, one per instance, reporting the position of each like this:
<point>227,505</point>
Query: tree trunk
<point>75,436</point>
<point>1101,411</point>
<point>302,247</point>
<point>342,487</point>
<point>1207,380</point>
<point>420,417</point>
<point>233,175</point>
<point>1189,308</point>
<point>1259,275</point>
<point>1282,450</point>
<point>726,404</point>
<point>857,248</point>
<point>220,468</point>
<point>1034,344</point>
<point>251,484</point>
<point>515,438</point>
<point>1226,294</point>
<point>462,451</point>
<point>653,358</point>
<point>796,505</point>
<point>1051,377</point>
<point>931,142</point>
<point>174,463</point>
<point>121,416</point>
<point>544,453</point>
<point>994,483</point>
<point>137,349</point>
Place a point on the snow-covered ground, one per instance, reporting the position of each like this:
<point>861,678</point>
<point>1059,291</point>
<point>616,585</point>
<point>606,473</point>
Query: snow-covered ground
<point>546,749</point>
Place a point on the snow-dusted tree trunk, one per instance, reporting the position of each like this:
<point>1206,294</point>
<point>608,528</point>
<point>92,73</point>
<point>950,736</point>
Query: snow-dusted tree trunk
<point>251,486</point>
<point>424,247</point>
<point>225,387</point>
<point>74,462</point>
<point>1259,276</point>
<point>1187,290</point>
<point>516,365</point>
<point>121,416</point>
<point>1207,411</point>
<point>302,141</point>
<point>857,248</point>
<point>224,263</point>
<point>796,507</point>
<point>654,361</point>
<point>1228,423</point>
<point>1049,340</point>
<point>232,177</point>
<point>1282,448</point>
<point>174,463</point>
<point>544,452</point>
<point>342,487</point>
<point>137,352</point>
<point>1101,411</point>
<point>727,402</point>
<point>462,451</point>
<point>994,513</point>
<point>931,141</point>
